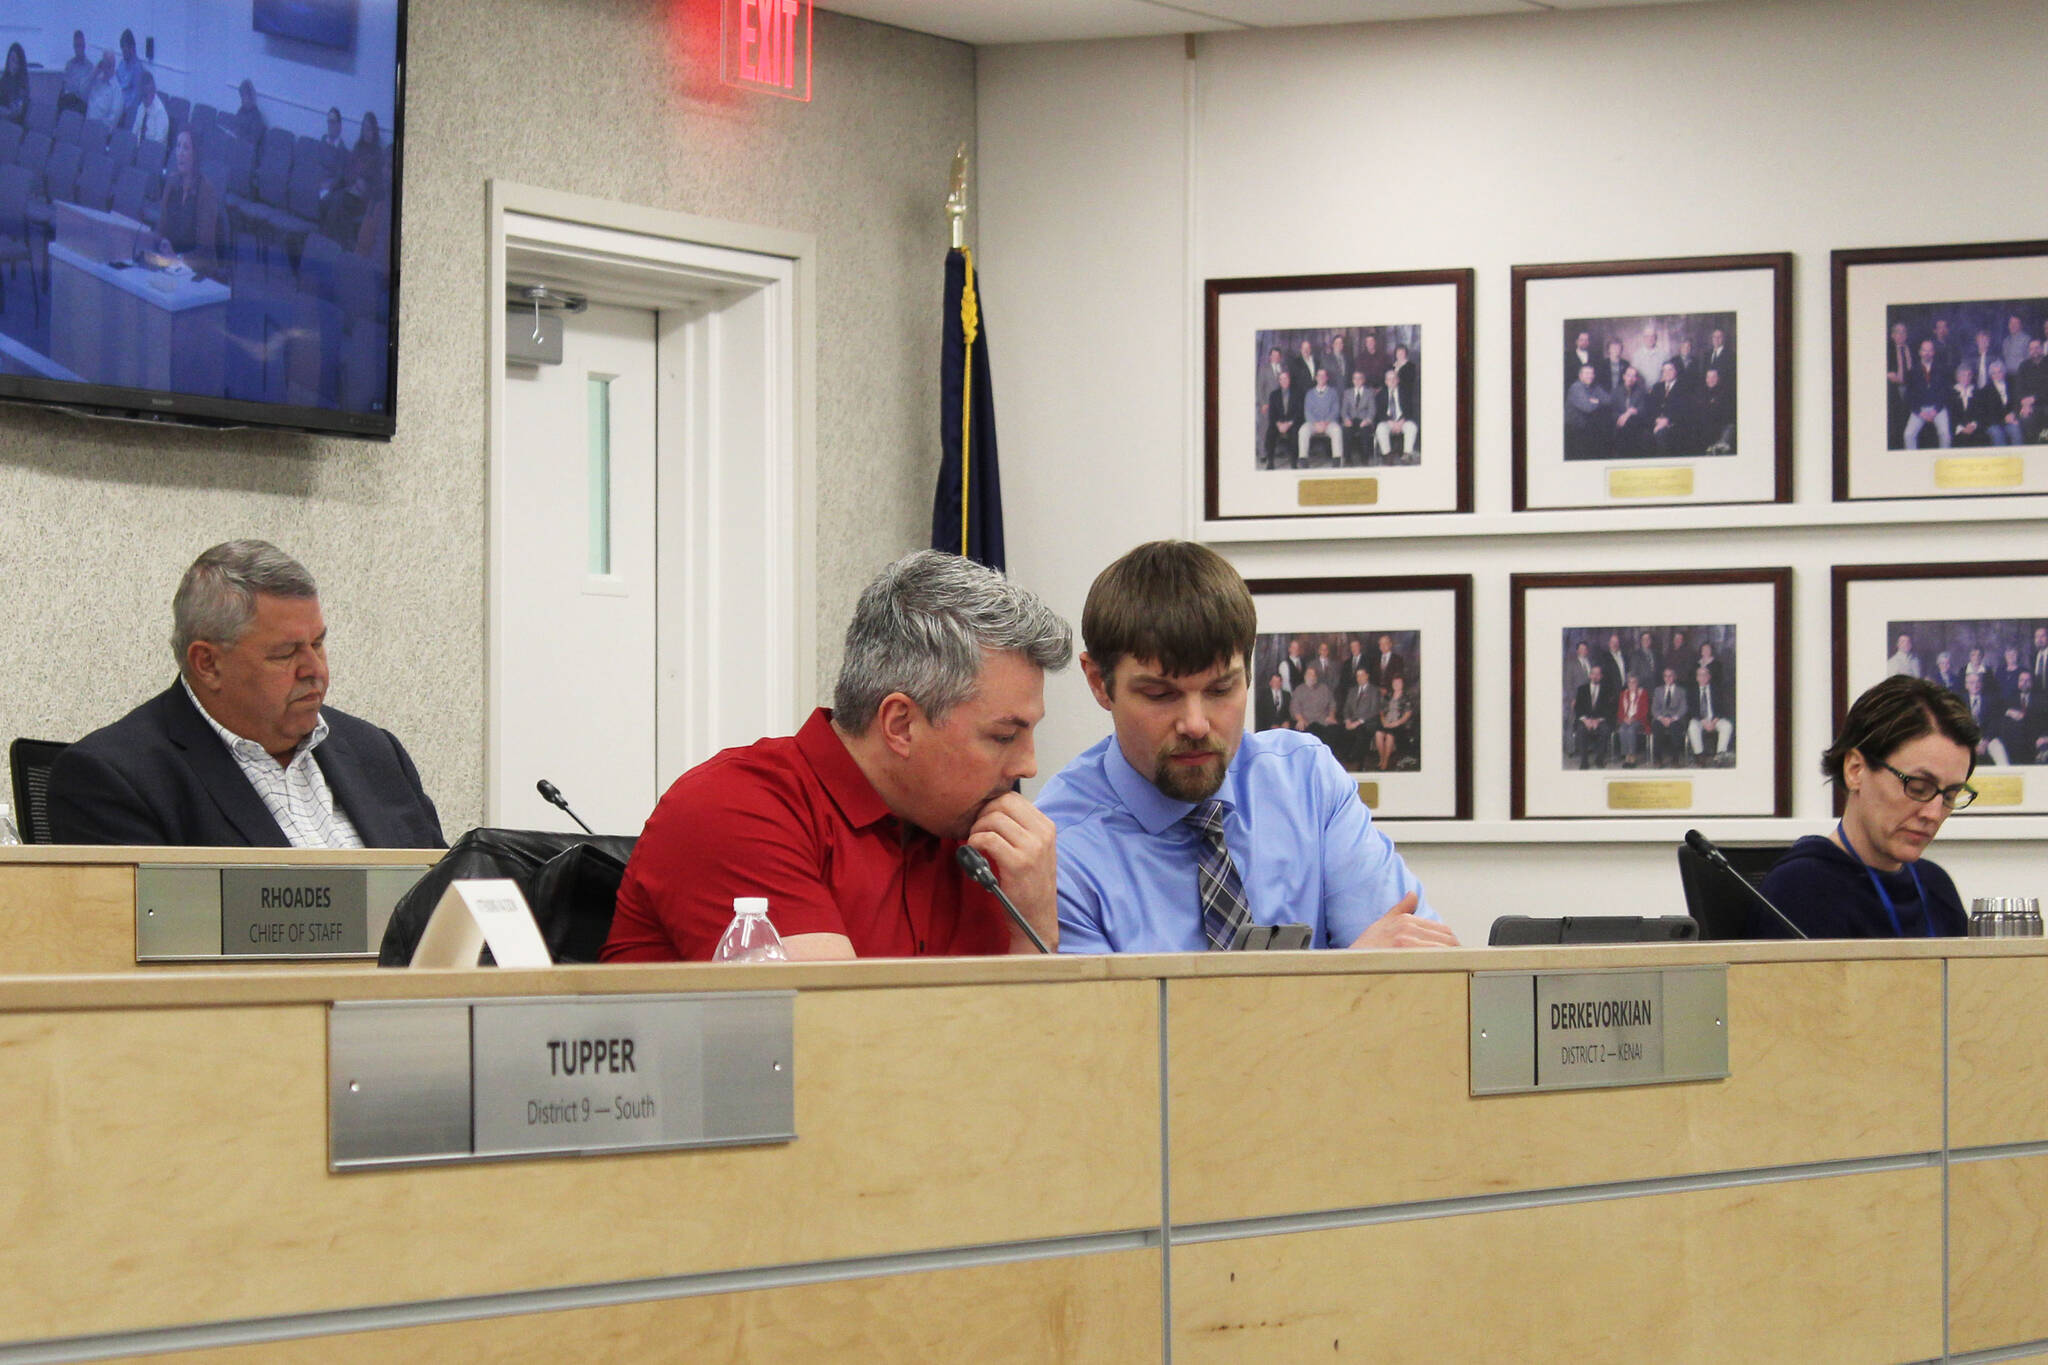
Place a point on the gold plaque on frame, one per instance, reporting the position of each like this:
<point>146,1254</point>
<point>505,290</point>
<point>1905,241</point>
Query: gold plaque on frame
<point>1369,792</point>
<point>1665,481</point>
<point>1649,795</point>
<point>2002,789</point>
<point>1980,471</point>
<point>1338,492</point>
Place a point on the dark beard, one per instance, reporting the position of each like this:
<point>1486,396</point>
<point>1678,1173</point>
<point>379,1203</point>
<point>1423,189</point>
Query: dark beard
<point>1189,784</point>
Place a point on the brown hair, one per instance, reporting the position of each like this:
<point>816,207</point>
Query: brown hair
<point>1170,602</point>
<point>1898,711</point>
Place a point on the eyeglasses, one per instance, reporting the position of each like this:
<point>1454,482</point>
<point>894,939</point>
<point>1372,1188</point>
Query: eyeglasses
<point>1920,789</point>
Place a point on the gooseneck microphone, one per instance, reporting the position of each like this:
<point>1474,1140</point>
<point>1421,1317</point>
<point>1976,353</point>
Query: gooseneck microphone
<point>978,871</point>
<point>1702,845</point>
<point>552,794</point>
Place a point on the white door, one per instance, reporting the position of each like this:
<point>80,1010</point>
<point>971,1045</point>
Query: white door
<point>637,629</point>
<point>575,657</point>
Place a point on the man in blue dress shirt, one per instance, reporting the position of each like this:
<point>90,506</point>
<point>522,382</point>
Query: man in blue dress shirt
<point>1179,825</point>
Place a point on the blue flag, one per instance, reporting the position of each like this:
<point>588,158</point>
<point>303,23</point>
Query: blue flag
<point>967,510</point>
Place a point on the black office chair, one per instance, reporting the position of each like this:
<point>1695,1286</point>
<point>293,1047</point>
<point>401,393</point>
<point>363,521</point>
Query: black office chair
<point>30,761</point>
<point>1720,902</point>
<point>570,881</point>
<point>1511,931</point>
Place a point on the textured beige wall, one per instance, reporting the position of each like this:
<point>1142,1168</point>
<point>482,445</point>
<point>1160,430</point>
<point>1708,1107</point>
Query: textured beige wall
<point>615,98</point>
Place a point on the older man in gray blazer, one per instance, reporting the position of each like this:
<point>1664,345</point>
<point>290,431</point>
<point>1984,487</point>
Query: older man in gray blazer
<point>1361,410</point>
<point>1670,705</point>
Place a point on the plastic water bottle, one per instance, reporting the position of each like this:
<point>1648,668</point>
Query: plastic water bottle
<point>750,937</point>
<point>10,835</point>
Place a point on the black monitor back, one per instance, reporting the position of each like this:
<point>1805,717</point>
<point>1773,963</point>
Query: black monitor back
<point>1523,930</point>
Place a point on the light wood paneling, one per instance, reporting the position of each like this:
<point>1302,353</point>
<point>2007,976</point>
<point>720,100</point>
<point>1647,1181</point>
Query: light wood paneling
<point>321,983</point>
<point>1998,1252</point>
<point>170,1166</point>
<point>1998,1081</point>
<point>1084,1310</point>
<point>1367,1078</point>
<point>70,909</point>
<point>128,855</point>
<point>76,918</point>
<point>1844,1269</point>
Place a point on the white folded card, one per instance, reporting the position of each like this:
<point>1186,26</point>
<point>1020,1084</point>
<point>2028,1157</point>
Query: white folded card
<point>482,911</point>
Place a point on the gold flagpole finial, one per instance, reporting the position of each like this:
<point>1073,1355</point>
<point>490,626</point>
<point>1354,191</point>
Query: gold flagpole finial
<point>956,201</point>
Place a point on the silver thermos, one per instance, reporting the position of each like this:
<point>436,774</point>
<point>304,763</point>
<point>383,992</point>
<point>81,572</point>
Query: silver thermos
<point>2005,917</point>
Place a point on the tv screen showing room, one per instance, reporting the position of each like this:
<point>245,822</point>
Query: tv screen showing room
<point>198,205</point>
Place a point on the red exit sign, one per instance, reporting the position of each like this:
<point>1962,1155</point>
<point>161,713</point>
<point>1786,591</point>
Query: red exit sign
<point>766,46</point>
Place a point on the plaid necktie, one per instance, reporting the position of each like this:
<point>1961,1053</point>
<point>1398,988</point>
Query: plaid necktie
<point>1220,891</point>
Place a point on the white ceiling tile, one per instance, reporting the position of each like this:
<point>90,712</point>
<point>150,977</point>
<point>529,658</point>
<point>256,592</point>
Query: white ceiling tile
<point>984,22</point>
<point>1300,13</point>
<point>1611,4</point>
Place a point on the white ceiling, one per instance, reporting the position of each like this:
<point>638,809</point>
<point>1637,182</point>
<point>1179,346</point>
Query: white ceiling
<point>984,22</point>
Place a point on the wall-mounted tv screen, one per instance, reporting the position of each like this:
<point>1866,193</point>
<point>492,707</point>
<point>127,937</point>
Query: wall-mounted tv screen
<point>199,211</point>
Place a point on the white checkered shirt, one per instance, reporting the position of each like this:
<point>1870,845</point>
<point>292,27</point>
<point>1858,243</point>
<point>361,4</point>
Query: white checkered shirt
<point>295,793</point>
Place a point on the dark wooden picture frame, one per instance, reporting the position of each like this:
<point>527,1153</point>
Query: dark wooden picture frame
<point>1871,460</point>
<point>1777,782</point>
<point>1931,606</point>
<point>1456,700</point>
<point>1232,463</point>
<point>1644,467</point>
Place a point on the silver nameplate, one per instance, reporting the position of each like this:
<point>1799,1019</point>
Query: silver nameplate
<point>1583,1030</point>
<point>310,911</point>
<point>559,1076</point>
<point>397,1082</point>
<point>185,913</point>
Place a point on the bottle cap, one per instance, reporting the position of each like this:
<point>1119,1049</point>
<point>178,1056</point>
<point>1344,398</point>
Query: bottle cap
<point>750,905</point>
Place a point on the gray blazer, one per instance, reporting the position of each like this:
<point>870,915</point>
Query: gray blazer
<point>1361,408</point>
<point>1677,707</point>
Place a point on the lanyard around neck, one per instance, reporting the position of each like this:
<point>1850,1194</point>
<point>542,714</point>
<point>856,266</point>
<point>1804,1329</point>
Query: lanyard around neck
<point>1884,896</point>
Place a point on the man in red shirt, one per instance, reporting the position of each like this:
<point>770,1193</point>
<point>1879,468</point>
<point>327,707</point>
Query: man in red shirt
<point>849,827</point>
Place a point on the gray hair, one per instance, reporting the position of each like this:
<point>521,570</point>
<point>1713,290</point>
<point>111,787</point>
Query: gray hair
<point>216,599</point>
<point>922,628</point>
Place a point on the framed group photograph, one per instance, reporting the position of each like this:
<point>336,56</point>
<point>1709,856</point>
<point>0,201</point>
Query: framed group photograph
<point>1670,688</point>
<point>1941,381</point>
<point>1338,395</point>
<point>1380,670</point>
<point>1653,382</point>
<point>1937,621</point>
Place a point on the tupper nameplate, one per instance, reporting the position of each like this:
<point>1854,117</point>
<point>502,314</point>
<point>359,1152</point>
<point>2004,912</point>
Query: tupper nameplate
<point>435,1082</point>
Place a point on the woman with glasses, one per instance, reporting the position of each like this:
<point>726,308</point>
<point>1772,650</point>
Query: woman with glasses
<point>1904,758</point>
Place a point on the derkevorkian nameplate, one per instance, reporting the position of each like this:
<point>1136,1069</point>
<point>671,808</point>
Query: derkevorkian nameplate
<point>561,1076</point>
<point>1582,1030</point>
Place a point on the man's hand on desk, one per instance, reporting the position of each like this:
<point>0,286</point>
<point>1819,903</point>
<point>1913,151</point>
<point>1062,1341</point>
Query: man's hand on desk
<point>1400,928</point>
<point>1018,841</point>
